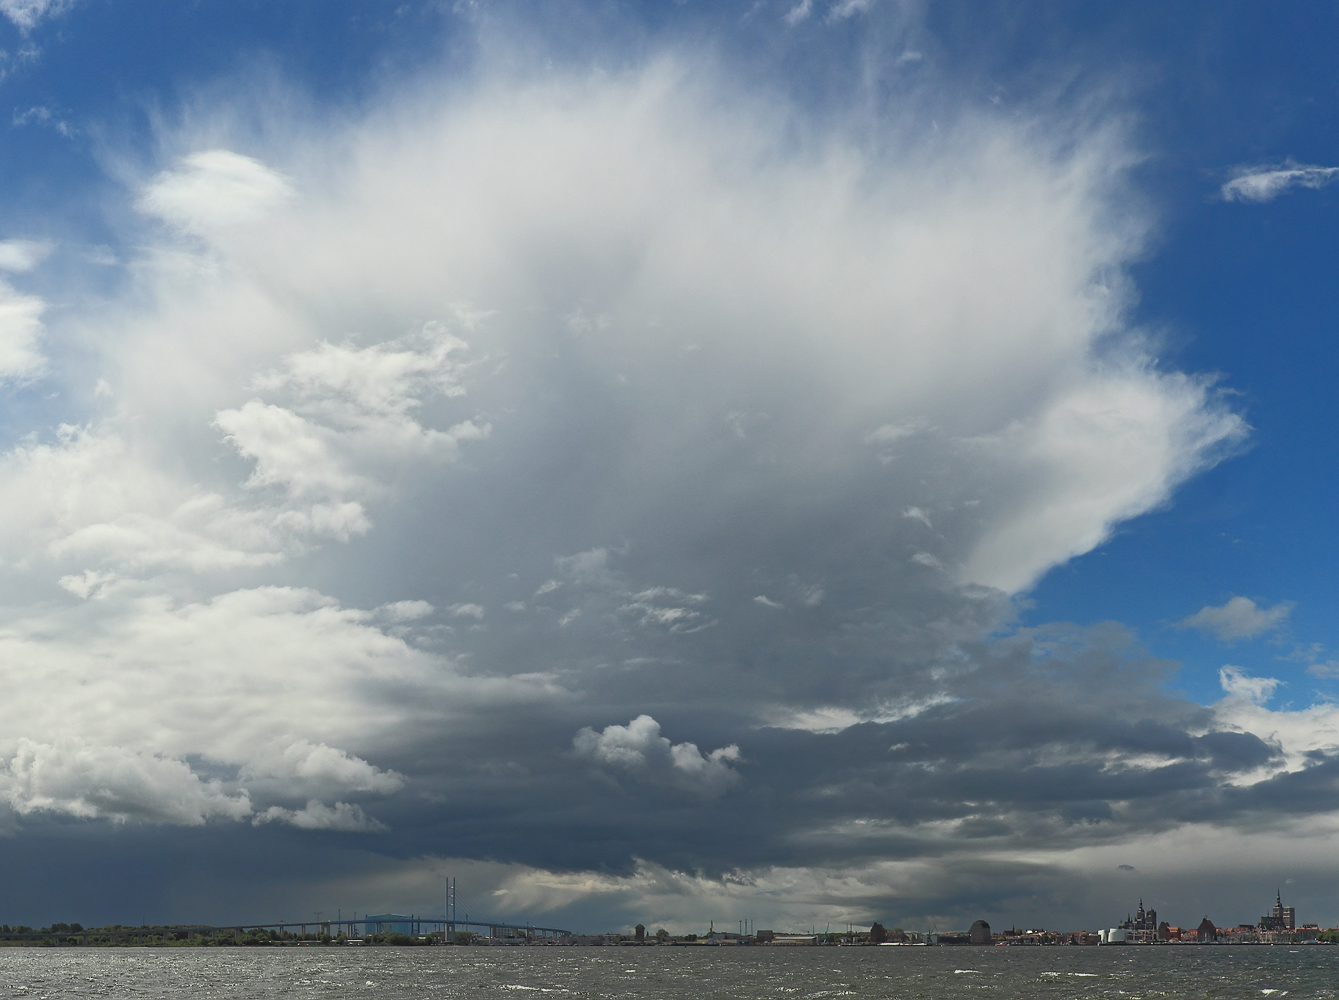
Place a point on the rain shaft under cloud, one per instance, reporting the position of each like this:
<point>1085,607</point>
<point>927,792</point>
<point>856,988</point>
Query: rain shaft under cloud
<point>625,456</point>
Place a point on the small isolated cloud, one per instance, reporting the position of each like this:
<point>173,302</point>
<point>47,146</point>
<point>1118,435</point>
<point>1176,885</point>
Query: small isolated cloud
<point>475,611</point>
<point>1238,684</point>
<point>639,748</point>
<point>916,514</point>
<point>1267,183</point>
<point>1239,618</point>
<point>888,433</point>
<point>668,607</point>
<point>1126,868</point>
<point>1328,669</point>
<point>41,115</point>
<point>623,746</point>
<point>343,816</point>
<point>766,602</point>
<point>36,114</point>
<point>405,611</point>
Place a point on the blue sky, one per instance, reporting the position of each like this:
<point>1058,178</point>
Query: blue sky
<point>549,444</point>
<point>1242,290</point>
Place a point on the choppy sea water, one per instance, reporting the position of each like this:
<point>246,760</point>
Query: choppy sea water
<point>745,973</point>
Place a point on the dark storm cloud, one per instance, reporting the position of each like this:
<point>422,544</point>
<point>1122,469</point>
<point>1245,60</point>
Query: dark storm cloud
<point>1076,743</point>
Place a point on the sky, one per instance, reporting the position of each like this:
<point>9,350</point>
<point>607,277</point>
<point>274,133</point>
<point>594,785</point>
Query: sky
<point>816,461</point>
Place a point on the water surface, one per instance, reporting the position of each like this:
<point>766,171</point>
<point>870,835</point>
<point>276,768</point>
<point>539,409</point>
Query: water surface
<point>744,973</point>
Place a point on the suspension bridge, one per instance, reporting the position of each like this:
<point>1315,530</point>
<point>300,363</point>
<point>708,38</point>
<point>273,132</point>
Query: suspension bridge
<point>299,932</point>
<point>354,929</point>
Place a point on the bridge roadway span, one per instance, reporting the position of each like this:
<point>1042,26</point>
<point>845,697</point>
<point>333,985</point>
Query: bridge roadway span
<point>418,926</point>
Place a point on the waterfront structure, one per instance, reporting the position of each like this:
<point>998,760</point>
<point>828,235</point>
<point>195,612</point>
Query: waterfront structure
<point>1207,933</point>
<point>979,933</point>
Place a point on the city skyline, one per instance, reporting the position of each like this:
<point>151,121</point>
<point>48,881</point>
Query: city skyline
<point>824,460</point>
<point>1141,926</point>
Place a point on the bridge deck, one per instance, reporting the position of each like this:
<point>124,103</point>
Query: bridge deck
<point>418,927</point>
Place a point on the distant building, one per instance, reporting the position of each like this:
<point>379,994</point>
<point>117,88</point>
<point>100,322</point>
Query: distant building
<point>1206,932</point>
<point>1142,928</point>
<point>979,933</point>
<point>1280,918</point>
<point>640,933</point>
<point>877,934</point>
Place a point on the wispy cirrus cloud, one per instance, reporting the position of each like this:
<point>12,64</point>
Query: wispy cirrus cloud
<point>1265,183</point>
<point>27,14</point>
<point>838,10</point>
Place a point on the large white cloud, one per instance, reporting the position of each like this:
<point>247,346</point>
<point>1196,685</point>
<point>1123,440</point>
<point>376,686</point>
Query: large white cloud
<point>259,682</point>
<point>93,782</point>
<point>684,407</point>
<point>692,275</point>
